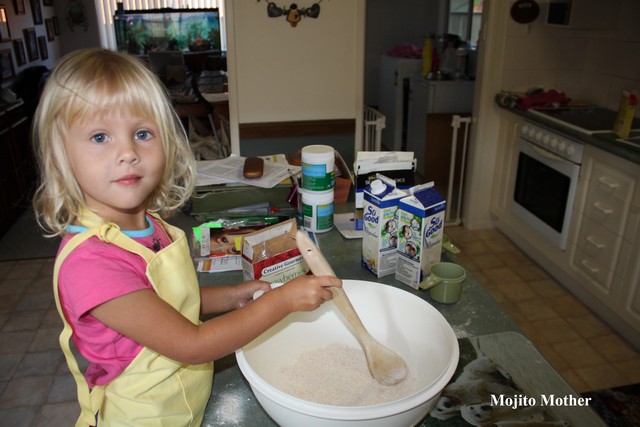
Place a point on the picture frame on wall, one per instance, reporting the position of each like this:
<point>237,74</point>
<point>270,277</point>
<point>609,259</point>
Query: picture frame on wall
<point>18,50</point>
<point>18,7</point>
<point>36,12</point>
<point>56,25</point>
<point>31,42</point>
<point>7,71</point>
<point>48,23</point>
<point>42,47</point>
<point>5,34</point>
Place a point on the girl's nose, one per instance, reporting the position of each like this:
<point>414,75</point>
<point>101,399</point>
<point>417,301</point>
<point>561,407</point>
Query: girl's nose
<point>128,153</point>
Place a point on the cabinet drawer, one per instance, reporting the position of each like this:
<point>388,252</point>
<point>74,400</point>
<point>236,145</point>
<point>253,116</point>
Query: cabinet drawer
<point>598,242</point>
<point>600,276</point>
<point>608,181</point>
<point>606,209</point>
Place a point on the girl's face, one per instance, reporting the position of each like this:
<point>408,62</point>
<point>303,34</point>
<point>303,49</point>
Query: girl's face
<point>118,160</point>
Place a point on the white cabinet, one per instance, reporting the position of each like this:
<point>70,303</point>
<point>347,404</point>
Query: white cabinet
<point>607,245</point>
<point>601,265</point>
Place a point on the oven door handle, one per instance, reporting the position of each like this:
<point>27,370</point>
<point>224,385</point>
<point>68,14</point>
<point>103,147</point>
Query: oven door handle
<point>547,154</point>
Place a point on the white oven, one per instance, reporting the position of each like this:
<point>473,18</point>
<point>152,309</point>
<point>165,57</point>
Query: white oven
<point>546,181</point>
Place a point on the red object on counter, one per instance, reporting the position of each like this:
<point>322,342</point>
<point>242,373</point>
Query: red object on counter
<point>550,98</point>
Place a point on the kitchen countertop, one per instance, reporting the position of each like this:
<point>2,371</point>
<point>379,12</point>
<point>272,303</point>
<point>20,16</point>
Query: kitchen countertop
<point>232,402</point>
<point>607,141</point>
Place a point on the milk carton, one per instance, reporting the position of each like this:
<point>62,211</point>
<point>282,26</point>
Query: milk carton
<point>420,231</point>
<point>380,225</point>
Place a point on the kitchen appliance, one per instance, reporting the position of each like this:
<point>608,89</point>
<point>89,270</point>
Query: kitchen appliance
<point>588,119</point>
<point>394,98</point>
<point>546,181</point>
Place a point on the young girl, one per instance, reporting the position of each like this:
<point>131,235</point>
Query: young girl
<point>113,157</point>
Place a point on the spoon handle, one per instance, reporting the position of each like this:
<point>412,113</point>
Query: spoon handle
<point>320,267</point>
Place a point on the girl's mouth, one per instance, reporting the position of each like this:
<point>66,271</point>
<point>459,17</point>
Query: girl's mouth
<point>129,180</point>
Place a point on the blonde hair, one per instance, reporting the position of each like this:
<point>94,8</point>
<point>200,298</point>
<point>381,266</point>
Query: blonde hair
<point>91,82</point>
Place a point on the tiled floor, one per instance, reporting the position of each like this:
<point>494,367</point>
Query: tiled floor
<point>586,352</point>
<point>37,390</point>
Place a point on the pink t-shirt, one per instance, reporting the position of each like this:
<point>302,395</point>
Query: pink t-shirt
<point>92,274</point>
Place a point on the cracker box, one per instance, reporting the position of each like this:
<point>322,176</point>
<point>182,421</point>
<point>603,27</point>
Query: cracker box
<point>397,165</point>
<point>380,226</point>
<point>421,227</point>
<point>271,254</point>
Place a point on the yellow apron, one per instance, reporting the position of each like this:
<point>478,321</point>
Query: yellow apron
<point>153,390</point>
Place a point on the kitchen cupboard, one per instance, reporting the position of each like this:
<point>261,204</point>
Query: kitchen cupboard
<point>600,265</point>
<point>17,170</point>
<point>606,251</point>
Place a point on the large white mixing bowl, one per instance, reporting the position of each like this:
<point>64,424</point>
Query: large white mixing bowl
<point>396,318</point>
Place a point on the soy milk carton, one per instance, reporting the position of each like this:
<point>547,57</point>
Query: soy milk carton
<point>421,227</point>
<point>380,225</point>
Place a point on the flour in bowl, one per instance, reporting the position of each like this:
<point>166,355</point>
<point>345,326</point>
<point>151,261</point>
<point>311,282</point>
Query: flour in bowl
<point>337,375</point>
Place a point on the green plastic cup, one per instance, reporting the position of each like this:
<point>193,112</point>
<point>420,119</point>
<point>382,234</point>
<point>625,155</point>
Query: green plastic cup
<point>445,282</point>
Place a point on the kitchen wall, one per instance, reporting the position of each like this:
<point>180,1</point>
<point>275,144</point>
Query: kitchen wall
<point>590,64</point>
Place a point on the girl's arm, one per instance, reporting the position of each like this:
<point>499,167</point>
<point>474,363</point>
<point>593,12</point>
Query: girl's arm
<point>149,320</point>
<point>220,299</point>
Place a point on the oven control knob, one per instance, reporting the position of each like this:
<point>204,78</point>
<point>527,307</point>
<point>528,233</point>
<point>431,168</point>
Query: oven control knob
<point>570,150</point>
<point>539,135</point>
<point>532,132</point>
<point>562,146</point>
<point>525,129</point>
<point>546,140</point>
<point>554,142</point>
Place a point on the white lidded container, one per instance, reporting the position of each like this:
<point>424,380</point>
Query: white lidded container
<point>317,210</point>
<point>318,162</point>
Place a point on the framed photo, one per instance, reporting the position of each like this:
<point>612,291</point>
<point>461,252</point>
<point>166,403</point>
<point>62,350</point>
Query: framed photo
<point>7,72</point>
<point>42,47</point>
<point>56,25</point>
<point>36,12</point>
<point>31,42</point>
<point>18,7</point>
<point>5,35</point>
<point>48,23</point>
<point>18,50</point>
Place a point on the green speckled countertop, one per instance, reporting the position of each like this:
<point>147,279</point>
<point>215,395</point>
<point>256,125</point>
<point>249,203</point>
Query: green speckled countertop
<point>232,402</point>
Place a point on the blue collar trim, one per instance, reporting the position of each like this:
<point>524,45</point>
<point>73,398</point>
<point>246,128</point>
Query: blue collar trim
<point>134,234</point>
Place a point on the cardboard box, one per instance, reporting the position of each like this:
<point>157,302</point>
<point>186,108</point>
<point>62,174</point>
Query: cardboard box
<point>271,254</point>
<point>421,227</point>
<point>380,226</point>
<point>397,165</point>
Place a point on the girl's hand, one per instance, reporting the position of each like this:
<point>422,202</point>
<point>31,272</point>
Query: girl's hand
<point>306,293</point>
<point>245,291</point>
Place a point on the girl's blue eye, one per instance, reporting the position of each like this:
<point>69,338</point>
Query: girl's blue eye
<point>99,138</point>
<point>143,134</point>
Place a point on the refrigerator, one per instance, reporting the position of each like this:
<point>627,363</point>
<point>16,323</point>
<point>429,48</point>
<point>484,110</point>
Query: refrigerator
<point>395,74</point>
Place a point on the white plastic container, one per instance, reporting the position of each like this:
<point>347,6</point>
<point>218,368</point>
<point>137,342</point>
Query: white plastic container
<point>317,210</point>
<point>318,162</point>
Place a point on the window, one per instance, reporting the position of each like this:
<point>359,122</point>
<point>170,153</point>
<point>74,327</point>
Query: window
<point>465,18</point>
<point>107,8</point>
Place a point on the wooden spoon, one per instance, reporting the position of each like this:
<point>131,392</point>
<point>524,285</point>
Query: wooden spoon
<point>386,366</point>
